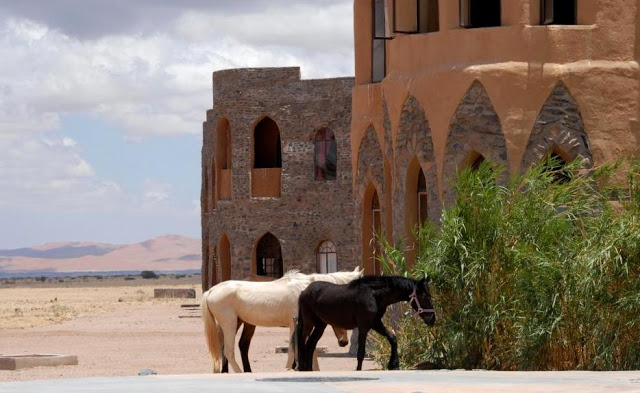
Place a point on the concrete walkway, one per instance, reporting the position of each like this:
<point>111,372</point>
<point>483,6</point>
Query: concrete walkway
<point>356,382</point>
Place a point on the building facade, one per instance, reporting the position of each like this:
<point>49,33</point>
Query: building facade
<point>446,84</point>
<point>276,175</point>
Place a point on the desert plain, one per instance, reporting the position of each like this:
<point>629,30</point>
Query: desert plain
<point>116,327</point>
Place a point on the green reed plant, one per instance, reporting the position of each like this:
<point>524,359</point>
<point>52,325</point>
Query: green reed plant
<point>542,273</point>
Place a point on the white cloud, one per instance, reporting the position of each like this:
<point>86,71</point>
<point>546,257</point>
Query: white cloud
<point>159,83</point>
<point>50,173</point>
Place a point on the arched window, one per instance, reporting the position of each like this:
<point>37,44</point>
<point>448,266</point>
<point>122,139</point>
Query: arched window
<point>269,257</point>
<point>480,13</point>
<point>326,155</point>
<point>422,199</point>
<point>266,145</point>
<point>558,12</point>
<point>327,258</point>
<point>376,231</point>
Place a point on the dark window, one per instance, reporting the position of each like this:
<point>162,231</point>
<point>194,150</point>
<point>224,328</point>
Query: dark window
<point>479,13</point>
<point>559,12</point>
<point>266,145</point>
<point>416,16</point>
<point>326,155</point>
<point>378,69</point>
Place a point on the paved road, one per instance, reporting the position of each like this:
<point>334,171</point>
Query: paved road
<point>351,382</point>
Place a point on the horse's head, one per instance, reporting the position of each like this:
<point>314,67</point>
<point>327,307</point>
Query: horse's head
<point>420,301</point>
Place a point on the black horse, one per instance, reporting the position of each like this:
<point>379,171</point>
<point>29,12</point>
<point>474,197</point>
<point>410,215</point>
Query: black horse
<point>360,304</point>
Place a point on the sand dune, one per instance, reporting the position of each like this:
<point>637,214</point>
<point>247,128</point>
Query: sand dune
<point>163,253</point>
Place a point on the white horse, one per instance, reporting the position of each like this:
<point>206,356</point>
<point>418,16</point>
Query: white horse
<point>272,303</point>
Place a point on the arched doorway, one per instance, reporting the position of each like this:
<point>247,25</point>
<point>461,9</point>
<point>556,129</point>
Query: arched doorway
<point>327,258</point>
<point>269,257</point>
<point>225,258</point>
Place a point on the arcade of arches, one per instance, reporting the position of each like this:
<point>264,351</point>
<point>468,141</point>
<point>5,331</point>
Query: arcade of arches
<point>475,135</point>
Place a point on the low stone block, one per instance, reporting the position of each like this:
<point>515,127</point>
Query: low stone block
<point>174,293</point>
<point>16,362</point>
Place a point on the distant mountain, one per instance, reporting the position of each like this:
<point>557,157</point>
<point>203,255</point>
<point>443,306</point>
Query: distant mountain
<point>163,253</point>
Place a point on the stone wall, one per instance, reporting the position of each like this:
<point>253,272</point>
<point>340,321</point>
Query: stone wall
<point>307,212</point>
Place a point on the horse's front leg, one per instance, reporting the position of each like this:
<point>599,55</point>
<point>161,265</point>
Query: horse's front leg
<point>394,362</point>
<point>245,342</point>
<point>312,342</point>
<point>362,343</point>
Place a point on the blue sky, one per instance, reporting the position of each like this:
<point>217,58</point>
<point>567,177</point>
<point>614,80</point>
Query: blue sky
<point>102,103</point>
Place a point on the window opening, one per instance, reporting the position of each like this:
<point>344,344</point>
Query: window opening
<point>378,59</point>
<point>327,258</point>
<point>559,12</point>
<point>480,13</point>
<point>266,144</point>
<point>326,155</point>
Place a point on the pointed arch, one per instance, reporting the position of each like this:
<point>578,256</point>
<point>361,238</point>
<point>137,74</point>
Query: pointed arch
<point>370,161</point>
<point>224,257</point>
<point>370,181</point>
<point>414,151</point>
<point>268,256</point>
<point>558,129</point>
<point>474,131</point>
<point>266,175</point>
<point>267,151</point>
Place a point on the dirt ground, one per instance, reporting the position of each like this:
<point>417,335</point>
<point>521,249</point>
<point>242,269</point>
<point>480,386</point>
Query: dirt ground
<point>117,328</point>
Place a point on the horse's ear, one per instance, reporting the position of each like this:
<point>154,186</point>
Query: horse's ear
<point>426,278</point>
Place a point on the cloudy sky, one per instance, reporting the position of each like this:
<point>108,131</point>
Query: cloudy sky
<point>102,103</point>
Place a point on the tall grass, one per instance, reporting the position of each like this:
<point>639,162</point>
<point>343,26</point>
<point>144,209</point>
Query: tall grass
<point>537,274</point>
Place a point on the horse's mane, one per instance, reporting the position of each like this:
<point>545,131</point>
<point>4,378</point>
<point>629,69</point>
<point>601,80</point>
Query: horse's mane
<point>342,277</point>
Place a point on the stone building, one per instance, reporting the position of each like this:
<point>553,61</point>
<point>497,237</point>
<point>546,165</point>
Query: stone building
<point>444,84</point>
<point>276,175</point>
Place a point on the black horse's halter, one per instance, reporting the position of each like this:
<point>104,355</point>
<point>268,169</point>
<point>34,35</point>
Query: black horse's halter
<point>414,298</point>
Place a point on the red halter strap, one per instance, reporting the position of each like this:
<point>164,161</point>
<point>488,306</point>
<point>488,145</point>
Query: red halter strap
<point>414,298</point>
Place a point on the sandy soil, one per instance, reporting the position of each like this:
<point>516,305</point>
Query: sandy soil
<point>117,328</point>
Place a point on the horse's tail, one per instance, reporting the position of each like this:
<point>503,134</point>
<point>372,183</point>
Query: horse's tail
<point>213,334</point>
